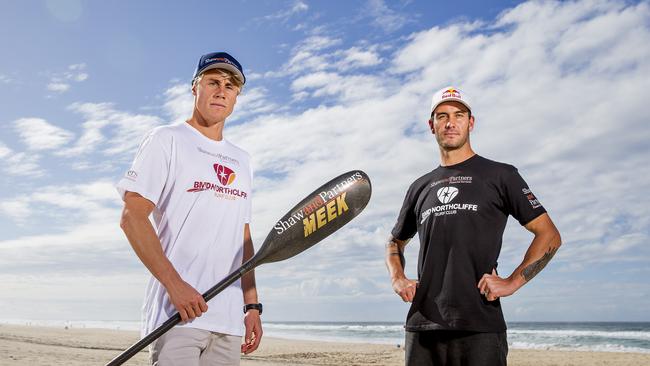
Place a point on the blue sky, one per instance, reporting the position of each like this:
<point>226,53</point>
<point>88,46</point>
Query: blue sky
<point>560,90</point>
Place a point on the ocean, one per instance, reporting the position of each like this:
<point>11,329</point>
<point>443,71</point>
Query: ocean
<point>573,336</point>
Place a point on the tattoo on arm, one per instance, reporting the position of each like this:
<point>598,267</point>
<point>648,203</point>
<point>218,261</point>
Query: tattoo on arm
<point>534,268</point>
<point>395,249</point>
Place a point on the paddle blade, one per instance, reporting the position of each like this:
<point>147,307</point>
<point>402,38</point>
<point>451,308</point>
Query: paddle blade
<point>320,214</point>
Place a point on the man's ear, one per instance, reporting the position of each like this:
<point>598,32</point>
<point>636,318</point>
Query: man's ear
<point>471,123</point>
<point>194,89</point>
<point>433,131</point>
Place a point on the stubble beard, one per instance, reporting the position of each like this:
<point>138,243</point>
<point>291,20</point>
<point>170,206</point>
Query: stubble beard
<point>451,145</point>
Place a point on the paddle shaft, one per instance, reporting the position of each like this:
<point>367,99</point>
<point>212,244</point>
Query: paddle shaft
<point>176,318</point>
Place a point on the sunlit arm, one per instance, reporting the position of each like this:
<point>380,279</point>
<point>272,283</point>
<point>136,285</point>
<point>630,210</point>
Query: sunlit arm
<point>144,241</point>
<point>545,244</point>
<point>402,286</point>
<point>252,321</point>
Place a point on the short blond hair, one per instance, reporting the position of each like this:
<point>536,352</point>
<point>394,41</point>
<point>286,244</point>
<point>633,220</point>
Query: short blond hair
<point>223,73</point>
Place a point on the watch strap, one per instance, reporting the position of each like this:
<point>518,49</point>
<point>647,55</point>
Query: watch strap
<point>257,307</point>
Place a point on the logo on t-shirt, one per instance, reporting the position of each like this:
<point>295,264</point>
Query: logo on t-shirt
<point>131,175</point>
<point>446,194</point>
<point>225,175</point>
<point>452,180</point>
<point>534,202</point>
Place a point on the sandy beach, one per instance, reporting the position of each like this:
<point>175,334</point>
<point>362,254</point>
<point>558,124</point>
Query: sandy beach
<point>34,346</point>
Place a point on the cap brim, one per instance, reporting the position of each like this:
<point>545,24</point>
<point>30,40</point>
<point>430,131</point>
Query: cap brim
<point>225,66</point>
<point>433,107</point>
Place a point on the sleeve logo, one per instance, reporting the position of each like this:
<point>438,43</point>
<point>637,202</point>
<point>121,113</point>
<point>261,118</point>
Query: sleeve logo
<point>534,202</point>
<point>131,175</point>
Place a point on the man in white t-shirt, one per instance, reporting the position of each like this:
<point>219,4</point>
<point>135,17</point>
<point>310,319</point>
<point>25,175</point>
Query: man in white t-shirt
<point>197,185</point>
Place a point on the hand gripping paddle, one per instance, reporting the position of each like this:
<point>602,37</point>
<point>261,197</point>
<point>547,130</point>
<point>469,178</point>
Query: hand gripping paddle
<point>316,217</point>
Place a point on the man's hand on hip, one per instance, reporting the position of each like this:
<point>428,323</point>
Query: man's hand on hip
<point>494,287</point>
<point>405,288</point>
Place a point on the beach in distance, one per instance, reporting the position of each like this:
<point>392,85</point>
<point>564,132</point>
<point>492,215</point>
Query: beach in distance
<point>36,345</point>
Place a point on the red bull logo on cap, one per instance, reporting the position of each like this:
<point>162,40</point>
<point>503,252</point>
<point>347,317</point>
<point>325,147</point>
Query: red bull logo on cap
<point>451,93</point>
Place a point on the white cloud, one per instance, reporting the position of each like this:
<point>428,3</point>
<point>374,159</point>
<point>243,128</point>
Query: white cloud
<point>80,77</point>
<point>23,164</point>
<point>356,57</point>
<point>435,44</point>
<point>60,82</point>
<point>87,216</point>
<point>317,53</point>
<point>384,17</point>
<point>314,80</point>
<point>38,134</point>
<point>110,131</point>
<point>4,79</point>
<point>77,67</point>
<point>4,151</point>
<point>179,102</point>
<point>16,209</point>
<point>284,15</point>
<point>87,201</point>
<point>76,72</point>
<point>58,87</point>
<point>88,247</point>
<point>344,88</point>
<point>253,102</point>
<point>305,56</point>
<point>19,163</point>
<point>66,267</point>
<point>299,6</point>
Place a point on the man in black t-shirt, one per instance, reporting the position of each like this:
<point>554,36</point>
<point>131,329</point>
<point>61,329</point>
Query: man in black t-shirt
<point>459,211</point>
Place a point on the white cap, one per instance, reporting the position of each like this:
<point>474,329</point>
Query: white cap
<point>450,94</point>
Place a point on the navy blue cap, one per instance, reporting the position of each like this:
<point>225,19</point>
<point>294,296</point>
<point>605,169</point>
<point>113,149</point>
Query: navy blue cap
<point>219,60</point>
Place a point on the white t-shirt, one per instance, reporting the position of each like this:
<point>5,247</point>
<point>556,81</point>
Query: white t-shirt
<point>202,192</point>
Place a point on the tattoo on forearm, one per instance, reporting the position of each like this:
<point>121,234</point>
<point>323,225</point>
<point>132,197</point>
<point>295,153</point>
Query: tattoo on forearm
<point>391,244</point>
<point>395,249</point>
<point>534,268</point>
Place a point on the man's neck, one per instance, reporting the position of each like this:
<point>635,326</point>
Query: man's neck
<point>453,157</point>
<point>213,131</point>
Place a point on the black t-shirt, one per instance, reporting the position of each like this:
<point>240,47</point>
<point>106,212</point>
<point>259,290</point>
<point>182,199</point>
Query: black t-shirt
<point>460,213</point>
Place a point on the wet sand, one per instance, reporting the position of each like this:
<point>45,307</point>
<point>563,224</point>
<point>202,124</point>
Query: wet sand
<point>36,346</point>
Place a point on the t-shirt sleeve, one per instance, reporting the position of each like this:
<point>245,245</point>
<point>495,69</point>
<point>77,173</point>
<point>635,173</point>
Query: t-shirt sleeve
<point>148,172</point>
<point>522,204</point>
<point>406,225</point>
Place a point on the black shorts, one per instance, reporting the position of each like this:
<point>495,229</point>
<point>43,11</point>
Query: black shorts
<point>455,348</point>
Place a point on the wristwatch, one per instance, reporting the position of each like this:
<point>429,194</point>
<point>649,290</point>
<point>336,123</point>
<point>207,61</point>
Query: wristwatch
<point>253,306</point>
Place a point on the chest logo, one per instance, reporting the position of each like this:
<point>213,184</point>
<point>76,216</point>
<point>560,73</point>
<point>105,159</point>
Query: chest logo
<point>446,194</point>
<point>225,175</point>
